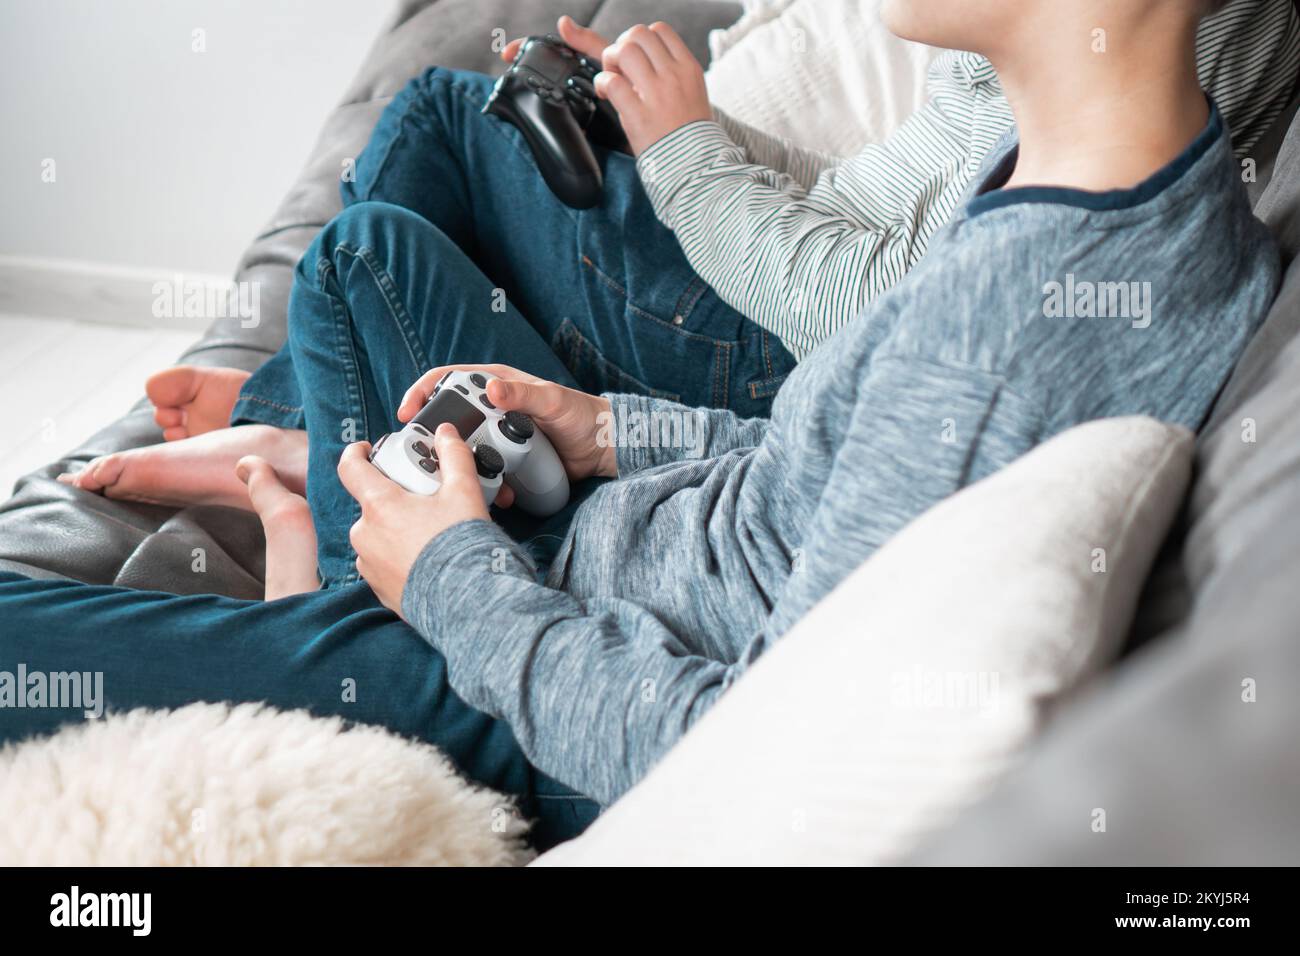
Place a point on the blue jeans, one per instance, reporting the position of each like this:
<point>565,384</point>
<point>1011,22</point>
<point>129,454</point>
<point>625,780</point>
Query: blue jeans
<point>450,249</point>
<point>333,652</point>
<point>606,290</point>
<point>380,297</point>
<point>355,348</point>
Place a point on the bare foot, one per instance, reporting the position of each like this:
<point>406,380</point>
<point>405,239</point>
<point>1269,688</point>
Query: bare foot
<point>198,470</point>
<point>290,533</point>
<point>189,400</point>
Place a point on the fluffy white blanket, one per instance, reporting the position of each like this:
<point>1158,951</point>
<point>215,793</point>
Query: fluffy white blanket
<point>211,784</point>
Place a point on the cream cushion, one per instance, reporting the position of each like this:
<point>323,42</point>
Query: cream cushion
<point>911,688</point>
<point>825,74</point>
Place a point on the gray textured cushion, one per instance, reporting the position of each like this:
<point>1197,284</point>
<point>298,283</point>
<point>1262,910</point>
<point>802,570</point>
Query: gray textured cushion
<point>1187,770</point>
<point>50,530</point>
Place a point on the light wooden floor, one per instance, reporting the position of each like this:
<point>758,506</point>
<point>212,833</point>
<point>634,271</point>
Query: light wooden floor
<point>60,381</point>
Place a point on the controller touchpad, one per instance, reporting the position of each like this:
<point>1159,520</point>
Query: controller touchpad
<point>450,406</point>
<point>547,62</point>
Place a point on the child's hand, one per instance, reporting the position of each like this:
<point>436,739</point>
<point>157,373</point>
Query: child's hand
<point>572,420</point>
<point>395,525</point>
<point>585,41</point>
<point>654,82</point>
<point>650,76</point>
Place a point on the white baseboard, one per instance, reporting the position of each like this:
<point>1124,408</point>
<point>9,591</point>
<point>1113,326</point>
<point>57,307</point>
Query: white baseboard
<point>108,294</point>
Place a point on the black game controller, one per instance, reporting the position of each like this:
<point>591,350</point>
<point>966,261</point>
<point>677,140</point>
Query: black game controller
<point>548,93</point>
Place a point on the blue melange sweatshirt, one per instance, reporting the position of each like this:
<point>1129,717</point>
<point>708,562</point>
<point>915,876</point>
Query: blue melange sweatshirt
<point>1035,309</point>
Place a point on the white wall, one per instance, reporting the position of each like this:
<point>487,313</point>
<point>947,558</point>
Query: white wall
<point>166,159</point>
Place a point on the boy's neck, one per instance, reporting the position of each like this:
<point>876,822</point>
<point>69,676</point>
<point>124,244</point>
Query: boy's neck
<point>1103,120</point>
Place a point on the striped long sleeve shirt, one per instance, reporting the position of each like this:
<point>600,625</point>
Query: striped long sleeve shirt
<point>800,241</point>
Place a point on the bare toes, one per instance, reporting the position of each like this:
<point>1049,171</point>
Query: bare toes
<point>165,416</point>
<point>173,387</point>
<point>99,473</point>
<point>109,472</point>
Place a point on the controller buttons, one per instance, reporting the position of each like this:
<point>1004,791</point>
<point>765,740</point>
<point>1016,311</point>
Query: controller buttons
<point>581,86</point>
<point>484,399</point>
<point>421,449</point>
<point>477,380</point>
<point>429,464</point>
<point>544,89</point>
<point>517,426</point>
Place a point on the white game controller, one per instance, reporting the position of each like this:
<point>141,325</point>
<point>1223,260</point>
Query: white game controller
<point>506,445</point>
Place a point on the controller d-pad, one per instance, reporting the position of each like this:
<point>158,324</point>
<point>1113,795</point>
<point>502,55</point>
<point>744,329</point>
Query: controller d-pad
<point>429,464</point>
<point>421,449</point>
<point>484,400</point>
<point>477,380</point>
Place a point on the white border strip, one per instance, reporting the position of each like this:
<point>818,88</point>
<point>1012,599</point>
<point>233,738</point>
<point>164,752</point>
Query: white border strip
<point>94,292</point>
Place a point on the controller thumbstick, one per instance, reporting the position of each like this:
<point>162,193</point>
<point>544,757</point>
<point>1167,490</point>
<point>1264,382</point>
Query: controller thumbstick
<point>518,427</point>
<point>488,461</point>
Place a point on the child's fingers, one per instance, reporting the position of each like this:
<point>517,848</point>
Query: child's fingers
<point>417,395</point>
<point>618,90</point>
<point>653,45</point>
<point>539,399</point>
<point>512,50</point>
<point>581,38</point>
<point>631,60</point>
<point>673,42</point>
<point>455,460</point>
<point>362,480</point>
<point>422,390</point>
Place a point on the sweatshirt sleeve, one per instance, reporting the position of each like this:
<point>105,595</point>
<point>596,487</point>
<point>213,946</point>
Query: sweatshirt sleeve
<point>796,242</point>
<point>646,432</point>
<point>595,690</point>
<point>924,427</point>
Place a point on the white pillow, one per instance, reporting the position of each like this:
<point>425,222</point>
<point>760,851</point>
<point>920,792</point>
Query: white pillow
<point>753,14</point>
<point>824,74</point>
<point>905,694</point>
